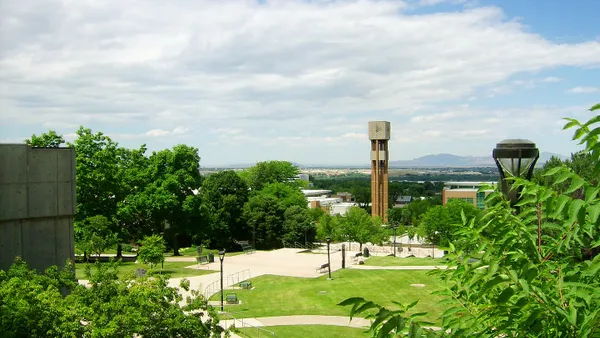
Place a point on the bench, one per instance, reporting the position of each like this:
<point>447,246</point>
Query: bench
<point>323,266</point>
<point>246,285</point>
<point>231,298</point>
<point>202,259</point>
<point>247,248</point>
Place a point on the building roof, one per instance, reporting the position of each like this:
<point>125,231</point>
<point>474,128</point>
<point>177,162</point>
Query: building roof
<point>469,184</point>
<point>315,192</point>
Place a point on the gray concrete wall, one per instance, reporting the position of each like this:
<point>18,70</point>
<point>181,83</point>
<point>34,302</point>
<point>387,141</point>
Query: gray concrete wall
<point>37,205</point>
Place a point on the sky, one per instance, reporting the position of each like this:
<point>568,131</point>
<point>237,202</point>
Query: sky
<point>248,81</point>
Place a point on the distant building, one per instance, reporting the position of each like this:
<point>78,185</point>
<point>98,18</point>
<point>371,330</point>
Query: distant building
<point>401,201</point>
<point>336,204</point>
<point>345,196</point>
<point>467,191</point>
<point>303,177</point>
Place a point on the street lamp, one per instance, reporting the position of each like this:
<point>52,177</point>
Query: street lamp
<point>395,227</point>
<point>328,240</point>
<point>515,158</point>
<point>221,258</point>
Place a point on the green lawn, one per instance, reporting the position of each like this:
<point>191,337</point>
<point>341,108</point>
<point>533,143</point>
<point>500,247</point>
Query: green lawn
<point>283,296</point>
<point>175,269</point>
<point>304,331</point>
<point>409,261</point>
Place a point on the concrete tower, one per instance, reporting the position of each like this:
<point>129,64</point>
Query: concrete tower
<point>379,134</point>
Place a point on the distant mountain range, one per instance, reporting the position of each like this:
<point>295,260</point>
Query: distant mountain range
<point>450,160</point>
<point>427,161</point>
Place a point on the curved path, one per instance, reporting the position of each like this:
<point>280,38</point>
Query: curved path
<point>297,320</point>
<point>359,323</point>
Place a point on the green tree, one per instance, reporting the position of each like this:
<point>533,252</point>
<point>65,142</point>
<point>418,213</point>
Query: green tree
<point>224,195</point>
<point>97,190</point>
<point>170,197</point>
<point>267,172</point>
<point>46,140</point>
<point>329,226</point>
<point>265,218</point>
<point>286,195</point>
<point>152,250</point>
<point>358,226</point>
<point>440,222</point>
<point>32,305</point>
<point>265,212</point>
<point>298,225</point>
<point>131,219</point>
<point>96,235</point>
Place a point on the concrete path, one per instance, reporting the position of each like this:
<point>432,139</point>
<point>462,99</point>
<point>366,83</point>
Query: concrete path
<point>297,320</point>
<point>407,267</point>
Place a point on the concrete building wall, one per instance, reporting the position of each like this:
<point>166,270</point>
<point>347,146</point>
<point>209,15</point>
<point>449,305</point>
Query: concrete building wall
<point>37,205</point>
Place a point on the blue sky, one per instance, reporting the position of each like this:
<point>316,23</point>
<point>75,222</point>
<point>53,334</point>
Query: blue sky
<point>298,80</point>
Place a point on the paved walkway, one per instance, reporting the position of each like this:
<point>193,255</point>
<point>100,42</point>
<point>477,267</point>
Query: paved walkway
<point>297,320</point>
<point>404,267</point>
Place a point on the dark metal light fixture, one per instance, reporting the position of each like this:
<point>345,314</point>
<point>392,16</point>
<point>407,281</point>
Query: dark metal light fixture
<point>515,158</point>
<point>328,240</point>
<point>221,258</point>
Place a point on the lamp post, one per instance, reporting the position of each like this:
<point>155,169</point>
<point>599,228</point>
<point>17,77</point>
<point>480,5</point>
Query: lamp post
<point>514,158</point>
<point>328,240</point>
<point>394,228</point>
<point>221,258</point>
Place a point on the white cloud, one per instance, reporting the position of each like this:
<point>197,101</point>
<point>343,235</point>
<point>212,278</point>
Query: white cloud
<point>584,90</point>
<point>303,71</point>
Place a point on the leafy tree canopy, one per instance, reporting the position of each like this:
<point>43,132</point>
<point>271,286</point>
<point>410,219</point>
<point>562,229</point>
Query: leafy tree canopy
<point>267,172</point>
<point>46,140</point>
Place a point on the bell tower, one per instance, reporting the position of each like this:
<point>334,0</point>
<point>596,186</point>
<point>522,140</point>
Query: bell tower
<point>379,134</point>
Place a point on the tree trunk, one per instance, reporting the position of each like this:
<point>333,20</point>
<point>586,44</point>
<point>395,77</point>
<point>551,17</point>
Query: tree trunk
<point>175,246</point>
<point>119,251</point>
<point>360,247</point>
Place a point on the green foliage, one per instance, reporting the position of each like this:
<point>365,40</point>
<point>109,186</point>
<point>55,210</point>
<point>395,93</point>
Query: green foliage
<point>358,226</point>
<point>536,272</point>
<point>46,140</point>
<point>32,305</point>
<point>265,213</point>
<point>95,235</point>
<point>264,173</point>
<point>390,323</point>
<point>298,225</point>
<point>439,223</point>
<point>152,250</point>
<point>224,195</point>
<point>169,197</point>
<point>329,226</point>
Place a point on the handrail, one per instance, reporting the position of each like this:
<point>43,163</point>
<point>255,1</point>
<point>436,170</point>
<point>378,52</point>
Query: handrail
<point>215,286</point>
<point>245,326</point>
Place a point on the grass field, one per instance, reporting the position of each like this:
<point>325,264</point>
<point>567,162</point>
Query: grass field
<point>175,269</point>
<point>304,331</point>
<point>409,261</point>
<point>284,296</point>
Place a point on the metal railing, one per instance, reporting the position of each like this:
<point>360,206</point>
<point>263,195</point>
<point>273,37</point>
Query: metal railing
<point>245,328</point>
<point>234,278</point>
<point>307,246</point>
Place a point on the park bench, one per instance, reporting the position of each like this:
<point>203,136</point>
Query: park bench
<point>246,285</point>
<point>247,248</point>
<point>323,266</point>
<point>231,298</point>
<point>202,259</point>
